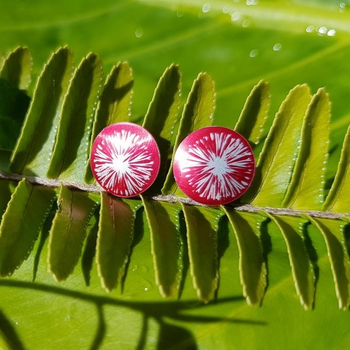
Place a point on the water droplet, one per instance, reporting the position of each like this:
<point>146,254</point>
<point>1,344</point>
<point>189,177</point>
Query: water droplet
<point>179,14</point>
<point>206,7</point>
<point>277,47</point>
<point>246,23</point>
<point>331,32</point>
<point>139,33</point>
<point>135,267</point>
<point>253,53</point>
<point>147,285</point>
<point>251,2</point>
<point>341,7</point>
<point>310,29</point>
<point>322,30</point>
<point>235,16</point>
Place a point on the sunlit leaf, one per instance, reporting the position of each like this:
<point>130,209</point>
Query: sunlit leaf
<point>307,183</point>
<point>115,102</point>
<point>252,265</point>
<point>70,155</point>
<point>163,219</point>
<point>254,113</point>
<point>292,229</point>
<point>333,232</point>
<point>338,198</point>
<point>38,135</point>
<point>162,119</point>
<point>115,237</point>
<point>24,217</point>
<point>198,112</point>
<point>283,139</point>
<point>17,68</point>
<point>68,231</point>
<point>202,225</point>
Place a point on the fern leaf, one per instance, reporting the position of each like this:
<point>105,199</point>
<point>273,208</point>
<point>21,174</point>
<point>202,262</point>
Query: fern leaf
<point>332,232</point>
<point>252,266</point>
<point>338,199</point>
<point>36,141</point>
<point>198,112</point>
<point>202,226</point>
<point>68,231</point>
<point>114,104</point>
<point>17,68</point>
<point>25,215</point>
<point>292,229</point>
<point>254,113</point>
<point>277,158</point>
<point>163,219</point>
<point>162,119</point>
<point>307,183</point>
<point>115,237</point>
<point>52,156</point>
<point>71,152</point>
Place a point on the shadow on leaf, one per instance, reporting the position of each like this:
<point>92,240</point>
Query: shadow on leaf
<point>159,311</point>
<point>9,334</point>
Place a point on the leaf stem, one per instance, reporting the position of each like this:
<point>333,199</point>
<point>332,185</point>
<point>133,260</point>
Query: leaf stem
<point>175,199</point>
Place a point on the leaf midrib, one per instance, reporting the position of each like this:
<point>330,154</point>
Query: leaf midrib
<point>176,199</point>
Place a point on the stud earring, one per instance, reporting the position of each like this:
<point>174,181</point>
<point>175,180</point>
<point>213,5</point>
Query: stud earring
<point>214,165</point>
<point>125,159</point>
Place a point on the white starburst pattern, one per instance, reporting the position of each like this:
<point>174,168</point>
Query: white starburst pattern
<point>123,163</point>
<point>218,166</point>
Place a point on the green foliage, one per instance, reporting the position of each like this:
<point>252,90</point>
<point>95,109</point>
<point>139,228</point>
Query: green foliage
<point>292,227</point>
<point>284,179</point>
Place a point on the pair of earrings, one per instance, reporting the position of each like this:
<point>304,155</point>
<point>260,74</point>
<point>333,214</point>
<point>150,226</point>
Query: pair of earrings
<point>213,165</point>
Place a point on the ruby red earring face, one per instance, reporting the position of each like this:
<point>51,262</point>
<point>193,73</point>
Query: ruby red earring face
<point>214,165</point>
<point>125,159</point>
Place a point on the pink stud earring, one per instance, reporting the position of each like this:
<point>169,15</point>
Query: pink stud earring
<point>125,159</point>
<point>214,165</point>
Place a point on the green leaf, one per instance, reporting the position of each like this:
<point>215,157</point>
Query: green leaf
<point>252,267</point>
<point>163,220</point>
<point>21,223</point>
<point>68,231</point>
<point>17,67</point>
<point>13,107</point>
<point>115,103</point>
<point>198,112</point>
<point>39,130</point>
<point>254,113</point>
<point>70,155</point>
<point>115,237</point>
<point>333,233</point>
<point>292,229</point>
<point>270,179</point>
<point>6,190</point>
<point>307,183</point>
<point>202,225</point>
<point>162,119</point>
<point>238,44</point>
<point>2,59</point>
<point>338,199</point>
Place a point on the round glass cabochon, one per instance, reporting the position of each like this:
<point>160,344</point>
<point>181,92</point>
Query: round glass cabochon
<point>214,165</point>
<point>125,159</point>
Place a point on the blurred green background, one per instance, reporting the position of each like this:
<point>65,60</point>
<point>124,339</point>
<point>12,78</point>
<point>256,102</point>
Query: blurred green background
<point>238,43</point>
